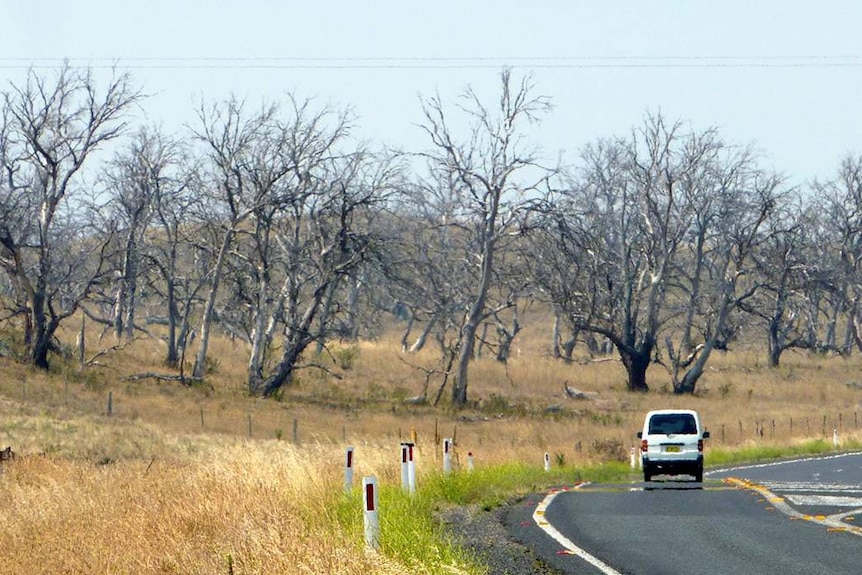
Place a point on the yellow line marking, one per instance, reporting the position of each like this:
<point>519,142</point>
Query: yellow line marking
<point>833,524</point>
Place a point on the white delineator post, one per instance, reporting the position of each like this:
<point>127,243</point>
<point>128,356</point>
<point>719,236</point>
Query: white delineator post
<point>370,502</point>
<point>408,468</point>
<point>348,470</point>
<point>835,441</point>
<point>411,468</point>
<point>633,458</point>
<point>447,455</point>
<point>405,473</point>
<point>470,464</point>
<point>547,461</point>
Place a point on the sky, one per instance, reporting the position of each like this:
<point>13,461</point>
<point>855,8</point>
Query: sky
<point>782,76</point>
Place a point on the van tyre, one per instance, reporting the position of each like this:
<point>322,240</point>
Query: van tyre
<point>698,474</point>
<point>647,472</point>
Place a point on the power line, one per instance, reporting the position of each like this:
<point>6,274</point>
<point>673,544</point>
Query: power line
<point>407,63</point>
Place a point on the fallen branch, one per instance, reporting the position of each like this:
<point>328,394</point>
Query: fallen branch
<point>161,377</point>
<point>573,393</point>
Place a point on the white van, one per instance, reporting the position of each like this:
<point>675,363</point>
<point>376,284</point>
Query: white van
<point>672,443</point>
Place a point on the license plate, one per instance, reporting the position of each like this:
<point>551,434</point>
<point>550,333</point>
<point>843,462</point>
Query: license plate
<point>672,449</point>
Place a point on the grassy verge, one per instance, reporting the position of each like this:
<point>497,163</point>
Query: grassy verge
<point>760,453</point>
<point>411,536</point>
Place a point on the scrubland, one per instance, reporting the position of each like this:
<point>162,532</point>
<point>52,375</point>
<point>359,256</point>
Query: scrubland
<point>205,479</point>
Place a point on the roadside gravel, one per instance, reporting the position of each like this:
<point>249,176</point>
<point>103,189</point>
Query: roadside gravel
<point>484,534</point>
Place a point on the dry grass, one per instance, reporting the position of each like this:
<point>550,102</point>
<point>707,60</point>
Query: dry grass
<point>249,507</point>
<point>205,479</point>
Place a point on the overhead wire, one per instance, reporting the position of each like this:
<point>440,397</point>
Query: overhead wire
<point>439,62</point>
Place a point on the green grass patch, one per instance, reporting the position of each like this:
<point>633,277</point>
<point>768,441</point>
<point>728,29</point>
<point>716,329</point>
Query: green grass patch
<point>724,457</point>
<point>410,531</point>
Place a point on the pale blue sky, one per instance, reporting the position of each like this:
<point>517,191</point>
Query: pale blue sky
<point>783,75</point>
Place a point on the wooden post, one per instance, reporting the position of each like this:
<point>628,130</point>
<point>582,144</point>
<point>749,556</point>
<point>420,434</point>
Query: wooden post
<point>110,403</point>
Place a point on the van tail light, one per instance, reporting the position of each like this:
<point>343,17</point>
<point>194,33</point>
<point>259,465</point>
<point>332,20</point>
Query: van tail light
<point>644,446</point>
<point>700,446</point>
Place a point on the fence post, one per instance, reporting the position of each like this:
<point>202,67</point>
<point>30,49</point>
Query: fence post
<point>348,469</point>
<point>371,519</point>
<point>110,403</point>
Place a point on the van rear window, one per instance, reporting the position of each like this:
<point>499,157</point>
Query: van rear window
<point>679,423</point>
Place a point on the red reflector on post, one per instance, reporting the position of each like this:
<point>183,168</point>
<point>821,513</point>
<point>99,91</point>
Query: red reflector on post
<point>369,497</point>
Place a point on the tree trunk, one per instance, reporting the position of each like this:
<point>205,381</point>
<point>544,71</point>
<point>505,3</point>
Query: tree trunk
<point>506,338</point>
<point>555,335</point>
<point>120,307</point>
<point>131,297</point>
<point>284,372</point>
<point>423,336</point>
<point>258,333</point>
<point>206,321</point>
<point>468,345</point>
<point>775,347</point>
<point>636,363</point>
<point>172,356</point>
<point>39,341</point>
<point>406,333</point>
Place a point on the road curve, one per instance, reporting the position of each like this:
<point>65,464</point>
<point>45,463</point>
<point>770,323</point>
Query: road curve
<point>783,519</point>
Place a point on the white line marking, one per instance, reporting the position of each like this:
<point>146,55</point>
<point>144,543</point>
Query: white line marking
<point>835,522</point>
<point>811,487</point>
<point>825,500</point>
<point>544,525</point>
<point>782,462</point>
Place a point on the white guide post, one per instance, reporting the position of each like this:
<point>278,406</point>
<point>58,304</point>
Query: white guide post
<point>447,455</point>
<point>370,503</point>
<point>405,470</point>
<point>348,470</point>
<point>411,468</point>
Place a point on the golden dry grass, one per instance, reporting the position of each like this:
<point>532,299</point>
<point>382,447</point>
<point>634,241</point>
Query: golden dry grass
<point>190,480</point>
<point>251,507</point>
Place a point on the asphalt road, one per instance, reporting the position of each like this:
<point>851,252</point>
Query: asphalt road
<point>784,519</point>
